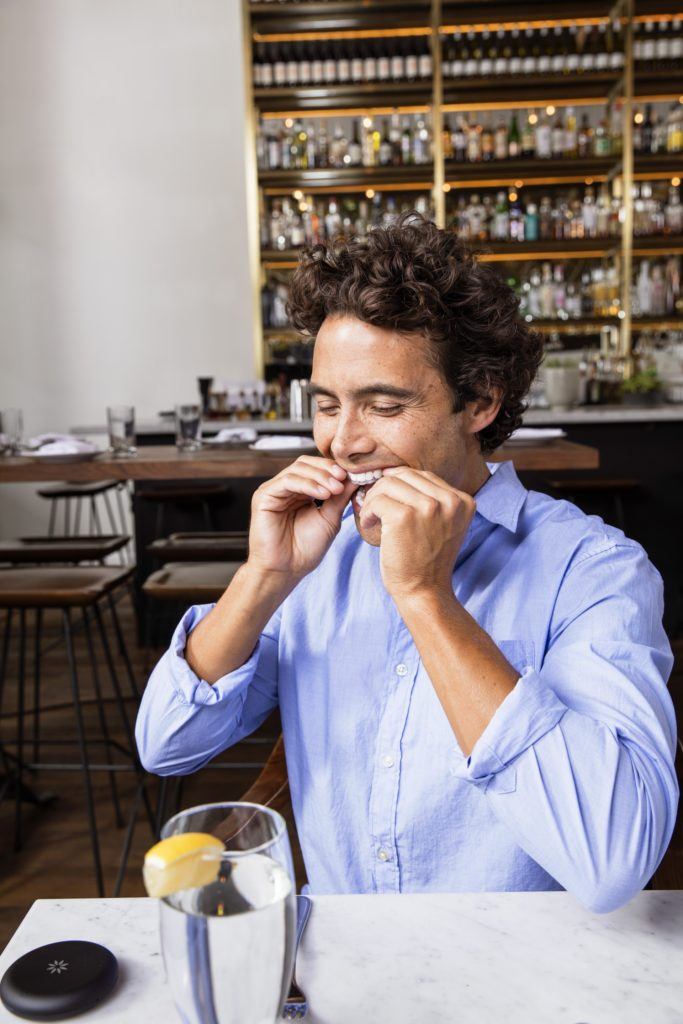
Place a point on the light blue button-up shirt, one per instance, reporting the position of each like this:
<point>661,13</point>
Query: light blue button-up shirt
<point>570,786</point>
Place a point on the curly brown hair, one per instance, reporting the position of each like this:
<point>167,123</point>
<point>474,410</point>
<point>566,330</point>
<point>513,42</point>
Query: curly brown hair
<point>413,277</point>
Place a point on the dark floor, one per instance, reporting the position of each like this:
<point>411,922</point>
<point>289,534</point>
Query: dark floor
<point>56,857</point>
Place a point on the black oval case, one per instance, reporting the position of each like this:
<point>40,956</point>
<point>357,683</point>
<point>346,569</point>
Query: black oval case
<point>59,980</point>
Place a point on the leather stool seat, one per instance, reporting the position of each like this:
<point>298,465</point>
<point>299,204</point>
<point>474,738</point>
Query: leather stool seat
<point>190,581</point>
<point>76,490</point>
<point>52,587</point>
<point>192,547</point>
<point>198,492</point>
<point>60,549</point>
<point>605,484</point>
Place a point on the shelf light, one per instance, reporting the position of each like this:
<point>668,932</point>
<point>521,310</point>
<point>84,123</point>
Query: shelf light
<point>340,33</point>
<point>369,193</point>
<point>292,115</point>
<point>519,184</point>
<point>446,187</point>
<point>676,181</point>
<point>639,117</point>
<point>512,196</point>
<point>588,181</point>
<point>550,110</point>
<point>298,195</point>
<point>533,118</point>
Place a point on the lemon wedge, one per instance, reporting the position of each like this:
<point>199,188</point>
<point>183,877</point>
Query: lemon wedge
<point>184,861</point>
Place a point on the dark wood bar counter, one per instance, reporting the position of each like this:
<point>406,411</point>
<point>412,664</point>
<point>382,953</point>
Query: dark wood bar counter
<point>164,462</point>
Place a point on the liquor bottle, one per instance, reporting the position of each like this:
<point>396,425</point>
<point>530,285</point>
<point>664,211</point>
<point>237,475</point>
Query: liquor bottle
<point>585,137</point>
<point>406,143</point>
<point>487,150</point>
<point>545,55</point>
<point>557,137</point>
<point>383,62</point>
<point>473,56</point>
<point>473,141</point>
<point>421,146</point>
<point>447,140</point>
<point>357,66</point>
<point>487,57</point>
<point>477,218</point>
<point>317,67</point>
<point>354,157</point>
<point>329,65</point>
<point>515,61</point>
<point>516,221</point>
<point>412,60</point>
<point>500,62</point>
<point>528,144</point>
<point>589,214</point>
<point>546,293</point>
<point>369,63</point>
<point>602,145</point>
<point>460,140</point>
<point>570,134</point>
<point>545,219</point>
<point>395,139</point>
<point>543,138</point>
<point>385,148</point>
<point>311,148</point>
<point>531,223</point>
<point>343,63</point>
<point>571,63</point>
<point>673,214</point>
<point>398,66</point>
<point>500,142</point>
<point>500,227</point>
<point>557,61</point>
<point>424,60</point>
<point>602,55</point>
<point>530,54</point>
<point>279,66</point>
<point>514,143</point>
<point>603,214</point>
<point>456,56</point>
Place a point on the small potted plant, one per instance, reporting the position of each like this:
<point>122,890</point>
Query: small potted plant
<point>561,380</point>
<point>642,390</point>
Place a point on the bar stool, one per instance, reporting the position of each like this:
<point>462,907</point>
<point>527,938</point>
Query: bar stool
<point>605,489</point>
<point>88,492</point>
<point>223,546</point>
<point>89,589</point>
<point>204,495</point>
<point>68,550</point>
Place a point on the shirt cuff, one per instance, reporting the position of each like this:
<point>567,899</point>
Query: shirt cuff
<point>189,688</point>
<point>528,712</point>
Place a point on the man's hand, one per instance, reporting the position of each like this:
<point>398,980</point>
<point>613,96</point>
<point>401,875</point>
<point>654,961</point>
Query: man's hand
<point>424,522</point>
<point>289,534</point>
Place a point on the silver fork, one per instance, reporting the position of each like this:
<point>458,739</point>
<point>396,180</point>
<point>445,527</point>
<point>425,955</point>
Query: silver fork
<point>296,1006</point>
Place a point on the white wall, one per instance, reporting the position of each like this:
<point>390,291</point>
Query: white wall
<point>124,270</point>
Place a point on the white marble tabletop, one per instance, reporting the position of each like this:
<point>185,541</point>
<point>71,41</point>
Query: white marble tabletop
<point>463,958</point>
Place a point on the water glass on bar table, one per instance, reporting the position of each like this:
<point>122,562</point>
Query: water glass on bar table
<point>121,426</point>
<point>11,431</point>
<point>229,945</point>
<point>188,427</point>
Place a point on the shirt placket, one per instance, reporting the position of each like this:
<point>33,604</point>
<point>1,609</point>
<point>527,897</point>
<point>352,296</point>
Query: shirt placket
<point>402,666</point>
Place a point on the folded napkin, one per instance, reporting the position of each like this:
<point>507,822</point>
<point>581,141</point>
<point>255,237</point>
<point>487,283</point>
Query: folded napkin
<point>274,441</point>
<point>60,444</point>
<point>233,434</point>
<point>536,433</point>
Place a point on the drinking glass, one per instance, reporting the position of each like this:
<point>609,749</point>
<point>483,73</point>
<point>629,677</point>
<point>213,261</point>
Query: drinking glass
<point>229,946</point>
<point>121,426</point>
<point>188,427</point>
<point>11,430</point>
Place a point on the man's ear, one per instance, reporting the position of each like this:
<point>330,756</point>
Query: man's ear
<point>483,411</point>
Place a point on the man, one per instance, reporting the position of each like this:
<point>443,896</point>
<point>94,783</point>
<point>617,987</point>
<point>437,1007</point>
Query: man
<point>471,676</point>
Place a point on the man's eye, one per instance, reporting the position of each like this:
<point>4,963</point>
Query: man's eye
<point>388,410</point>
<point>327,410</point>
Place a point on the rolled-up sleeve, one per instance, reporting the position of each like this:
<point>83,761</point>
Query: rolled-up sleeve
<point>578,760</point>
<point>184,722</point>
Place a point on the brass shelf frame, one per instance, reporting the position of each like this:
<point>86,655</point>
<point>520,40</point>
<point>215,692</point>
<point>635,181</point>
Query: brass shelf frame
<point>439,97</point>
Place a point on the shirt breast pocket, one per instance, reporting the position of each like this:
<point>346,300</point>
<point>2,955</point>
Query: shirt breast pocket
<point>520,653</point>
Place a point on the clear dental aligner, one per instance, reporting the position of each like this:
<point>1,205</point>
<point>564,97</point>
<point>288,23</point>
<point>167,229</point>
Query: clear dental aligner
<point>365,479</point>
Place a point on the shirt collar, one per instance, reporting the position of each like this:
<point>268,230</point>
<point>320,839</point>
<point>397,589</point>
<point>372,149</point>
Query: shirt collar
<point>499,499</point>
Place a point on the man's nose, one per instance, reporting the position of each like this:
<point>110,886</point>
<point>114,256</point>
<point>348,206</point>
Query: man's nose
<point>351,437</point>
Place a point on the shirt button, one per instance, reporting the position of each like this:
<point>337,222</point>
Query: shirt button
<point>382,855</point>
<point>388,761</point>
<point>401,669</point>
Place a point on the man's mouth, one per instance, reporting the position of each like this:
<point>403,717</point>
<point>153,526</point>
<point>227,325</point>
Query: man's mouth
<point>366,480</point>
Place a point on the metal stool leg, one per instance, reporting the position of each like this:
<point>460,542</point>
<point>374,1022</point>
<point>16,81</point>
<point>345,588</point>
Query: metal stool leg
<point>67,517</point>
<point>122,650</point>
<point>122,708</point>
<point>84,752</point>
<point>128,839</point>
<point>9,775</point>
<point>21,682</point>
<point>122,515</point>
<point>53,517</point>
<point>102,716</point>
<point>96,517</point>
<point>36,685</point>
<point>77,523</point>
<point>112,523</point>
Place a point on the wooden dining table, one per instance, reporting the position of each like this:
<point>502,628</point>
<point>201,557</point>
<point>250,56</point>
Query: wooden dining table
<point>165,462</point>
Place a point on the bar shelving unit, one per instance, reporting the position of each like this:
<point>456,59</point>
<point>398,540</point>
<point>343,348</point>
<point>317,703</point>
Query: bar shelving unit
<point>441,97</point>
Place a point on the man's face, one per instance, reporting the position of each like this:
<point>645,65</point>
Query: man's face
<point>381,403</point>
